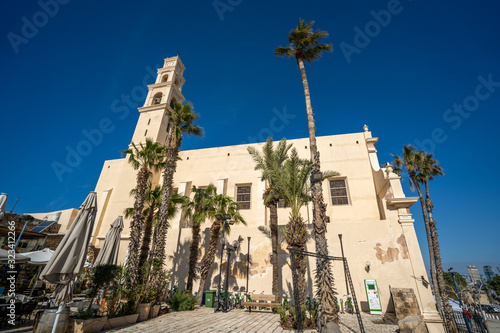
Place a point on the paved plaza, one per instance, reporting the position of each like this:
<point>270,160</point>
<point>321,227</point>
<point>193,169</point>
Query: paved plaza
<point>205,320</point>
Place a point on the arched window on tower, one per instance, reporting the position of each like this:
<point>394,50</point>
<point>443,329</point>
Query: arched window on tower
<point>157,98</point>
<point>177,82</point>
<point>165,78</point>
<point>172,102</point>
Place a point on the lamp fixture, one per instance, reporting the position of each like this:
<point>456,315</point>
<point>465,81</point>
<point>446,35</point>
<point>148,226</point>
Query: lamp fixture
<point>316,176</point>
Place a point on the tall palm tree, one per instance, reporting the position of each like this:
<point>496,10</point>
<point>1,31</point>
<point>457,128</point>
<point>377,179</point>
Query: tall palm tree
<point>176,201</point>
<point>292,184</point>
<point>429,168</point>
<point>305,46</point>
<point>182,120</point>
<point>145,157</point>
<point>413,162</point>
<point>269,159</point>
<point>223,205</point>
<point>152,200</point>
<point>197,211</point>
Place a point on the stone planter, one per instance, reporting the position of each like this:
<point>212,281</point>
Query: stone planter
<point>143,310</point>
<point>93,325</point>
<point>154,311</point>
<point>120,321</point>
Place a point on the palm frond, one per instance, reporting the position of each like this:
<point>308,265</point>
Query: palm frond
<point>305,44</point>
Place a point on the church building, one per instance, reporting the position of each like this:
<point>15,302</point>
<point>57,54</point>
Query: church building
<point>365,204</point>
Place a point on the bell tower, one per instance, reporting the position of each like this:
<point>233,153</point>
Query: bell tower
<point>162,95</point>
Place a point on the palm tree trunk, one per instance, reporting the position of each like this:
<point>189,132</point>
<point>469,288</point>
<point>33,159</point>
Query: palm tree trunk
<point>193,255</point>
<point>162,227</point>
<point>146,240</point>
<point>323,278</point>
<point>296,238</point>
<point>273,219</point>
<point>310,114</point>
<point>209,257</point>
<point>437,293</point>
<point>136,227</point>
<point>448,311</point>
<point>168,181</point>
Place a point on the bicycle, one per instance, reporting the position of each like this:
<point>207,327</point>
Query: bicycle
<point>349,307</point>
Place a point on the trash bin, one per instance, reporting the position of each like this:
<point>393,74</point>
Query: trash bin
<point>210,298</point>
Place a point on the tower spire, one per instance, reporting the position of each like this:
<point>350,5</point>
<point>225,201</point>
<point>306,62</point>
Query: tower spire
<point>162,96</point>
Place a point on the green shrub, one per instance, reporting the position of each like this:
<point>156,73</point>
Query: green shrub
<point>103,277</point>
<point>180,301</point>
<point>288,317</point>
<point>283,314</point>
<point>86,313</point>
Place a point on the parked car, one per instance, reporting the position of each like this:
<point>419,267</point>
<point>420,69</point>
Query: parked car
<point>491,309</point>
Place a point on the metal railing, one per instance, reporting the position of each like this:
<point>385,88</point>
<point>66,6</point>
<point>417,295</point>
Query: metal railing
<point>477,323</point>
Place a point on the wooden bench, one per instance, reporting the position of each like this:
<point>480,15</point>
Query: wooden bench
<point>256,298</point>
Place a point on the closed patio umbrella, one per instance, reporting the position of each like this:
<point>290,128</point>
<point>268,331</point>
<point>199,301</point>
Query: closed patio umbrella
<point>69,258</point>
<point>109,251</point>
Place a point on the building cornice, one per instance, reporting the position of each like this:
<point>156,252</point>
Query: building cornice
<point>402,202</point>
<point>155,107</point>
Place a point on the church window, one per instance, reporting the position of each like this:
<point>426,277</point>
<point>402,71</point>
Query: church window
<point>165,78</point>
<point>157,98</point>
<point>149,121</point>
<point>338,192</point>
<point>282,204</point>
<point>172,102</point>
<point>243,193</point>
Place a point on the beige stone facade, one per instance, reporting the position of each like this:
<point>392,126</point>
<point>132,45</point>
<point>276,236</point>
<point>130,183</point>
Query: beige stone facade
<point>369,209</point>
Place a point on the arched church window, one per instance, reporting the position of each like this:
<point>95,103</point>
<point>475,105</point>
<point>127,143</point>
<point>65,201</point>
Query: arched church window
<point>157,98</point>
<point>165,78</point>
<point>172,102</point>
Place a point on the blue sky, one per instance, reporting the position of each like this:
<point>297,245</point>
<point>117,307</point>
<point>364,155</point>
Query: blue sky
<point>404,68</point>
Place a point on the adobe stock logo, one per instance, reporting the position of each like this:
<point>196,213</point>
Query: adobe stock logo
<point>30,28</point>
<point>455,116</point>
<point>222,6</point>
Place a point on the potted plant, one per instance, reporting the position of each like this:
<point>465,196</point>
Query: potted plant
<point>123,314</point>
<point>88,320</point>
<point>122,309</point>
<point>149,292</point>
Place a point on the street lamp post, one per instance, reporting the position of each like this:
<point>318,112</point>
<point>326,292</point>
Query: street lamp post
<point>226,283</point>
<point>224,219</point>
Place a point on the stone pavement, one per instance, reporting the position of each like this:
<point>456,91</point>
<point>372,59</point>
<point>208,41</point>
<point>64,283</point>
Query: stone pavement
<point>206,321</point>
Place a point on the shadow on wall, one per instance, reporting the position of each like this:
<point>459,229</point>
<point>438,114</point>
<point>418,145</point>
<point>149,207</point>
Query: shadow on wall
<point>180,264</point>
<point>284,264</point>
<point>212,280</point>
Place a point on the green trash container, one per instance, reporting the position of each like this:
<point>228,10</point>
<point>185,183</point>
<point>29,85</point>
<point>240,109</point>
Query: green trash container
<point>210,298</point>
